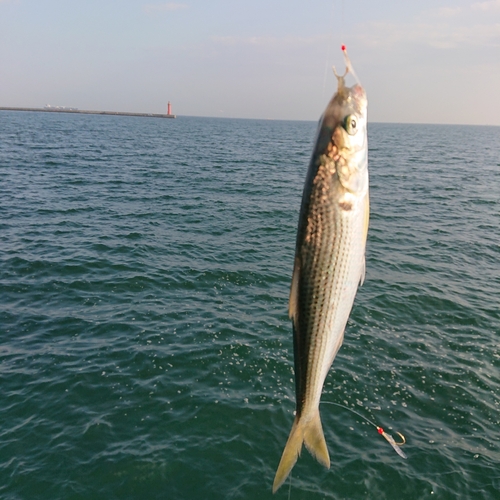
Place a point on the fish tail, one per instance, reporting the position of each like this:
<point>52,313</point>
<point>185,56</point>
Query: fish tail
<point>308,432</point>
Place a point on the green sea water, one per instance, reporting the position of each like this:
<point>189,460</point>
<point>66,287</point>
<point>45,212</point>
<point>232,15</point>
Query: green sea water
<point>145,347</point>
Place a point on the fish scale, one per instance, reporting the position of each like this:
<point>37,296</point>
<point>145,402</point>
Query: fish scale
<point>329,262</point>
<point>321,288</point>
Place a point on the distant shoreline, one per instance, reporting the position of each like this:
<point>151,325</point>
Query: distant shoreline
<point>86,112</point>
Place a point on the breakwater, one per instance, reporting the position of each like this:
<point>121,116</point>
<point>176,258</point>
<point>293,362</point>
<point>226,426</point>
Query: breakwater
<point>88,112</point>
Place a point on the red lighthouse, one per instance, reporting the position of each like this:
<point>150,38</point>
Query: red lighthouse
<point>169,108</point>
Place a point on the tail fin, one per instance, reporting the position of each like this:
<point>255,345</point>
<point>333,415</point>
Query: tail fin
<point>311,434</point>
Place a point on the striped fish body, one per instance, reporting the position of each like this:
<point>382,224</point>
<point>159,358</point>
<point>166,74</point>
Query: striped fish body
<point>329,262</point>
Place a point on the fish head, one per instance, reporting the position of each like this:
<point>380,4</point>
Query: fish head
<point>343,136</point>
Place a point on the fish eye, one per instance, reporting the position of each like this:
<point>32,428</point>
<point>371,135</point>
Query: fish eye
<point>350,124</point>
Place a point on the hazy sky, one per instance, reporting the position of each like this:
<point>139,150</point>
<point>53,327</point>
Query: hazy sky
<point>430,61</point>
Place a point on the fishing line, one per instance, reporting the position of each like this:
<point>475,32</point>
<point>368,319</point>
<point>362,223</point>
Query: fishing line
<point>380,430</point>
<point>329,45</point>
<point>343,20</point>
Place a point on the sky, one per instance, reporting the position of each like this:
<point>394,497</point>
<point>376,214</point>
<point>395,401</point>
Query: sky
<point>431,61</point>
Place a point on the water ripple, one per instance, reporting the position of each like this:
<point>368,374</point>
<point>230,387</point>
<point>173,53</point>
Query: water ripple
<point>145,349</point>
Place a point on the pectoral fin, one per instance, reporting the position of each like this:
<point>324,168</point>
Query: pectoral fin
<point>365,236</point>
<point>363,272</point>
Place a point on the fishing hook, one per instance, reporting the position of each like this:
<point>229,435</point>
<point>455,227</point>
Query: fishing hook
<point>403,439</point>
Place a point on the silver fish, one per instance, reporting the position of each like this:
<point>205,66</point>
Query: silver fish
<point>329,261</point>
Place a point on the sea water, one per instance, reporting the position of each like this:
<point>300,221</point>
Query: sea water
<point>145,346</point>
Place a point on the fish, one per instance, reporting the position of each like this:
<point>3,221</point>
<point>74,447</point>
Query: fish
<point>329,261</point>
